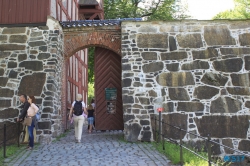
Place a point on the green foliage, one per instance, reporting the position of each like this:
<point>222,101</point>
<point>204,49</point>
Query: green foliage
<point>172,151</point>
<point>10,151</point>
<point>91,92</point>
<point>61,136</point>
<point>240,11</point>
<point>157,10</point>
<point>91,52</point>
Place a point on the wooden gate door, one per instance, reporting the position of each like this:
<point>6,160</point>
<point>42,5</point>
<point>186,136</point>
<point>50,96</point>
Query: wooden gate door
<point>108,75</point>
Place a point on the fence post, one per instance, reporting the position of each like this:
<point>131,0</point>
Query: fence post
<point>4,140</point>
<point>163,140</point>
<point>159,137</point>
<point>155,130</point>
<point>209,150</point>
<point>18,133</point>
<point>181,155</point>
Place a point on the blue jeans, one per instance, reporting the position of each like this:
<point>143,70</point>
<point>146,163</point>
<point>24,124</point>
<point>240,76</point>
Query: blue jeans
<point>31,136</point>
<point>90,120</point>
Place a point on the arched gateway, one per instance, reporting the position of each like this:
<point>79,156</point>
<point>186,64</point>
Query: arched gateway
<point>106,37</point>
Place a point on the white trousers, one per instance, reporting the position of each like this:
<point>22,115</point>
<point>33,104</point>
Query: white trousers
<point>78,122</point>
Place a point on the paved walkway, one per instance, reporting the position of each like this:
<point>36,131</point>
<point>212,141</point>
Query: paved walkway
<point>96,149</point>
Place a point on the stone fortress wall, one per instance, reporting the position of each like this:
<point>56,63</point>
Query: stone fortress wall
<point>198,71</point>
<point>31,63</point>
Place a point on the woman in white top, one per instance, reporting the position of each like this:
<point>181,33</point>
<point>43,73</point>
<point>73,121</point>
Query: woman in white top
<point>31,112</point>
<point>78,118</point>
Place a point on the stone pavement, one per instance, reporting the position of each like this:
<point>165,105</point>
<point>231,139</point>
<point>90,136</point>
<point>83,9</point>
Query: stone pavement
<point>96,149</point>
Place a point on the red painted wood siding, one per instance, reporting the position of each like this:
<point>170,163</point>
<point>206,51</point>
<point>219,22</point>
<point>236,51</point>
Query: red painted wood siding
<point>107,75</point>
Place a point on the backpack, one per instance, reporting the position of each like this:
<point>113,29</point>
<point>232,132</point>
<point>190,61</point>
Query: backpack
<point>38,114</point>
<point>78,108</point>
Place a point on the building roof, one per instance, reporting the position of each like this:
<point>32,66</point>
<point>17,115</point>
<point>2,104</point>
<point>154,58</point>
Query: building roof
<point>84,23</point>
<point>89,2</point>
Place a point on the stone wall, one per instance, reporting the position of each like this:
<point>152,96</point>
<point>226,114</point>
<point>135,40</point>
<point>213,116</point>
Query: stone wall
<point>198,71</point>
<point>30,63</point>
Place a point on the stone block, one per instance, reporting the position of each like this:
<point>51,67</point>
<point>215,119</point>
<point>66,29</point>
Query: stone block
<point>205,54</point>
<point>247,62</point>
<point>42,56</point>
<point>126,82</point>
<point>197,64</point>
<point>13,74</point>
<point>16,30</point>
<point>223,126</point>
<point>18,39</point>
<point>11,130</point>
<point>247,104</point>
<point>152,67</point>
<point>4,92</point>
<point>152,40</point>
<point>244,145</point>
<point>168,107</point>
<point>205,92</point>
<point>148,28</point>
<point>1,71</point>
<point>44,125</point>
<point>3,38</point>
<point>37,43</point>
<point>48,110</point>
<point>239,91</point>
<point>36,34</point>
<point>193,106</point>
<point>225,105</point>
<point>218,35</point>
<point>22,57</point>
<point>172,43</point>
<point>32,65</point>
<point>3,81</point>
<point>201,146</point>
<point>43,48</point>
<point>174,56</point>
<point>144,122</point>
<point>132,132</point>
<point>146,136</point>
<point>4,54</point>
<point>127,99</point>
<point>174,119</point>
<point>229,143</point>
<point>173,67</point>
<point>144,101</point>
<point>244,39</point>
<point>51,87</point>
<point>126,67</point>
<point>214,79</point>
<point>12,64</point>
<point>127,118</point>
<point>241,79</point>
<point>9,113</point>
<point>178,94</point>
<point>11,47</point>
<point>190,40</point>
<point>228,65</point>
<point>5,103</point>
<point>149,55</point>
<point>175,79</point>
<point>235,51</point>
<point>36,83</point>
<point>152,93</point>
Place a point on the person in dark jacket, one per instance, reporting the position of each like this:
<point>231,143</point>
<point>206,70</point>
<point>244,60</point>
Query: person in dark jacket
<point>90,117</point>
<point>25,106</point>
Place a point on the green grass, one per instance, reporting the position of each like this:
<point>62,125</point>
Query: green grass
<point>61,136</point>
<point>172,151</point>
<point>10,151</point>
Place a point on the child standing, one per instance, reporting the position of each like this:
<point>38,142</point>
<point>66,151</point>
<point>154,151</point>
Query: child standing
<point>90,117</point>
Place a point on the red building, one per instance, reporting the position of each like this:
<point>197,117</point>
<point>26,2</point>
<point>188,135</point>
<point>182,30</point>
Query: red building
<point>35,12</point>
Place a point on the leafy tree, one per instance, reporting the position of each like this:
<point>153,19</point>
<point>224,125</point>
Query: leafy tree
<point>157,10</point>
<point>240,11</point>
<point>91,77</point>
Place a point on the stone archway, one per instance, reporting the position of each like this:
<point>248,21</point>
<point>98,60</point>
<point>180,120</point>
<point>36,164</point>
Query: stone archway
<point>76,39</point>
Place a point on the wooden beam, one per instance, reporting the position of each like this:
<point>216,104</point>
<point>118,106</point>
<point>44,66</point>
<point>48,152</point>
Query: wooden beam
<point>90,11</point>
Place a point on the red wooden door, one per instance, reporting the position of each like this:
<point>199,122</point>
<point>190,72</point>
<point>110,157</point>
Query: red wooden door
<point>107,75</point>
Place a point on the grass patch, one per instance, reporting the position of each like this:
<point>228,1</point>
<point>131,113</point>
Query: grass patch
<point>172,151</point>
<point>61,136</point>
<point>10,151</point>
